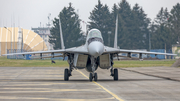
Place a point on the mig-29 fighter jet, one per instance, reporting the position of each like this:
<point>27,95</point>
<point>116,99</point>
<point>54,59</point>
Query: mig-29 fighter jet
<point>91,55</point>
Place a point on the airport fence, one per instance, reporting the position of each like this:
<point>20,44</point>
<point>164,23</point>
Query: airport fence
<point>161,56</point>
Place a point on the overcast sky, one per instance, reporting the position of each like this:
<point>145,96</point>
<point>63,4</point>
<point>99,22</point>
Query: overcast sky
<point>29,13</point>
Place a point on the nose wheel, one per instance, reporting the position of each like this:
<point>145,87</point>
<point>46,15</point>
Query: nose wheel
<point>93,76</point>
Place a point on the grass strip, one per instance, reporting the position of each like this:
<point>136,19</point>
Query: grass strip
<point>4,62</point>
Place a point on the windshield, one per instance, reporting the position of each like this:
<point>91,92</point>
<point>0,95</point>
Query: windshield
<point>94,39</point>
<point>94,33</point>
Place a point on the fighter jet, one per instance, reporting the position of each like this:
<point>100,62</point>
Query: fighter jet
<point>91,55</point>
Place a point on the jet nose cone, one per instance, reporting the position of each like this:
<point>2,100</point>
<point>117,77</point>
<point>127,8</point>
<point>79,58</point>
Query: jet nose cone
<point>97,52</point>
<point>96,48</point>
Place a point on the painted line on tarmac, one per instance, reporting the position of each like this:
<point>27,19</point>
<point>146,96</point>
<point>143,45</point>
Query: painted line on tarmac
<point>114,95</point>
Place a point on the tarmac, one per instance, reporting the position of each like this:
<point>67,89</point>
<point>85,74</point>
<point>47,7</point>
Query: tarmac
<point>47,84</point>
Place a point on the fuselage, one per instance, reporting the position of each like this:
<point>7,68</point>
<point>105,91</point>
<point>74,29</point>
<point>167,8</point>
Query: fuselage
<point>94,43</point>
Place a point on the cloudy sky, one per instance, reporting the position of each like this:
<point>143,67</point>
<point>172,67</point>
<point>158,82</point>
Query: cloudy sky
<point>29,13</point>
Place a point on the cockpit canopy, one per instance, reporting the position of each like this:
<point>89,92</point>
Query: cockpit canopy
<point>94,35</point>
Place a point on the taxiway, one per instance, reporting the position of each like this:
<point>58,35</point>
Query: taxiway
<point>47,84</point>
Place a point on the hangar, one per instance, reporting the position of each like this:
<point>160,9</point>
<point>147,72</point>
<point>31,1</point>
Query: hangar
<point>15,38</point>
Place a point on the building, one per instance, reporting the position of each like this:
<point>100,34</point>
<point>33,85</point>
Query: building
<point>20,39</point>
<point>44,32</point>
<point>176,50</point>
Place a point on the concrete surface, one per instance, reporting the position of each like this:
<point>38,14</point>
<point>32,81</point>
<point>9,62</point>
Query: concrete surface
<point>47,84</point>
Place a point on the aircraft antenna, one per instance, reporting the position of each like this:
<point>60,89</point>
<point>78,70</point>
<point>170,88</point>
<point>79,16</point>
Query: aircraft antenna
<point>61,36</point>
<point>116,30</point>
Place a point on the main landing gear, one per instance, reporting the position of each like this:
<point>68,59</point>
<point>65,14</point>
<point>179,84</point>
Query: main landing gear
<point>114,73</point>
<point>93,76</point>
<point>67,72</point>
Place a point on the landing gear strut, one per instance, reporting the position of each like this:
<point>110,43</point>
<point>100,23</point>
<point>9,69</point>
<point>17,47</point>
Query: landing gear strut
<point>114,73</point>
<point>93,76</point>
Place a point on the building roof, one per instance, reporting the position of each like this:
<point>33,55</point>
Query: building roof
<point>41,28</point>
<point>31,40</point>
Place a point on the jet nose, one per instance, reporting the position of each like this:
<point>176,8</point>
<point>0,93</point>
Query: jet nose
<point>96,53</point>
<point>96,48</point>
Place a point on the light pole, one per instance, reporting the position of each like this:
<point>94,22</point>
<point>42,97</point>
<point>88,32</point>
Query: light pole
<point>149,42</point>
<point>43,42</point>
<point>86,27</point>
<point>10,37</point>
<point>22,44</point>
<point>109,33</point>
<point>14,40</point>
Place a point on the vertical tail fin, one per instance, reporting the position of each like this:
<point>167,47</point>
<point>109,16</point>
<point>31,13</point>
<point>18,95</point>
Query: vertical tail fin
<point>62,41</point>
<point>115,38</point>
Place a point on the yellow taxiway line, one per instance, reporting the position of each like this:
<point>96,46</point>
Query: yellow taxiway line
<point>114,95</point>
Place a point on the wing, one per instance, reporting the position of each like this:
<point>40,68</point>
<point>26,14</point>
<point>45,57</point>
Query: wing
<point>81,50</point>
<point>115,50</point>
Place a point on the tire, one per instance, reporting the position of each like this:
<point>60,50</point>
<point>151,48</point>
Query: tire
<point>95,76</point>
<point>66,75</point>
<point>115,74</point>
<point>90,76</point>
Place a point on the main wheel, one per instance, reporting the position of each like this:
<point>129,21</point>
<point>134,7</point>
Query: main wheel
<point>90,76</point>
<point>115,74</point>
<point>95,76</point>
<point>66,75</point>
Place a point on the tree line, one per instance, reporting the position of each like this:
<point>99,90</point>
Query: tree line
<point>135,29</point>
